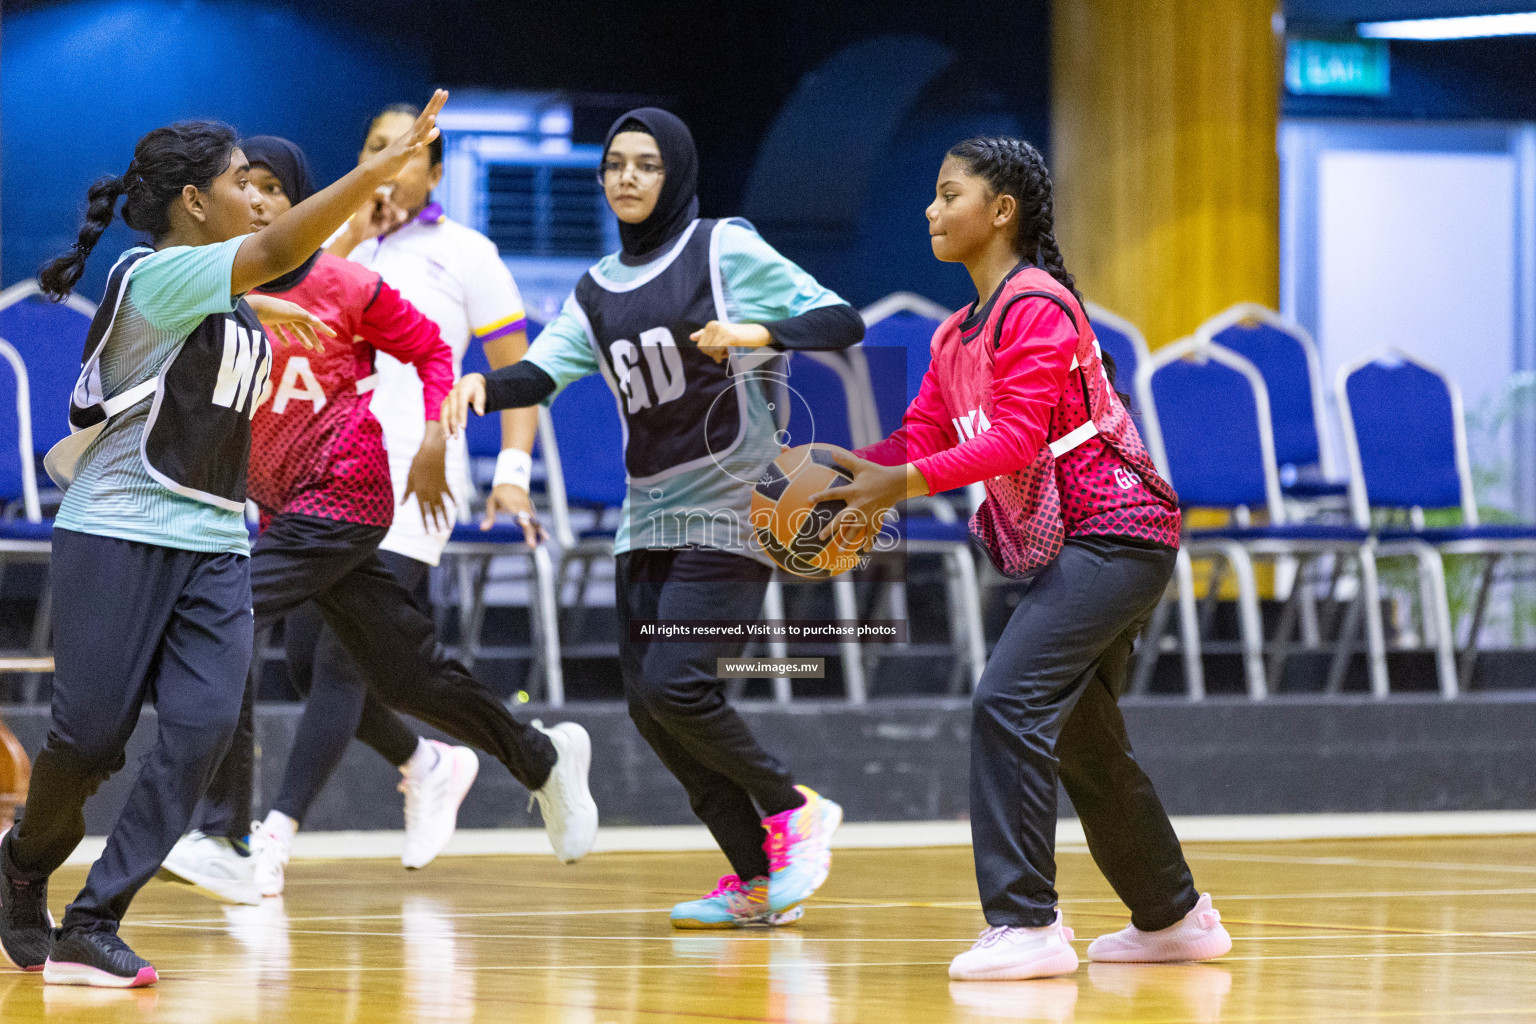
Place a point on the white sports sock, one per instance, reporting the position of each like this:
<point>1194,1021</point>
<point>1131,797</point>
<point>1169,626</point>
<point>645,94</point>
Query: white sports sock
<point>281,826</point>
<point>422,761</point>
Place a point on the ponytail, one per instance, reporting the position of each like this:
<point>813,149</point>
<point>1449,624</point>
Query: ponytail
<point>60,275</point>
<point>164,162</point>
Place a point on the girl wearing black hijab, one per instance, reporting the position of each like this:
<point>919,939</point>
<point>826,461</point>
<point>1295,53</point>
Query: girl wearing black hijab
<point>674,322</point>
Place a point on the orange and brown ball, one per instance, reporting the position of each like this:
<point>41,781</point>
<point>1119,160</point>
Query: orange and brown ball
<point>787,526</point>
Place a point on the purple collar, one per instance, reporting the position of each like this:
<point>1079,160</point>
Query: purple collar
<point>430,214</point>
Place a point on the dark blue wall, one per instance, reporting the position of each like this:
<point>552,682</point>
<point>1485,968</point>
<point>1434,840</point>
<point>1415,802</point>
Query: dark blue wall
<point>891,251</point>
<point>79,83</point>
<point>83,79</point>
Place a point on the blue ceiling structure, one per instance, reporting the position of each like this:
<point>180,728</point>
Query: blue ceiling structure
<point>1350,11</point>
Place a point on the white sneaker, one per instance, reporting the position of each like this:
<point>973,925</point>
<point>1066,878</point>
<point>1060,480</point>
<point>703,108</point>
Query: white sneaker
<point>210,865</point>
<point>1199,936</point>
<point>269,859</point>
<point>1014,954</point>
<point>570,813</point>
<point>432,801</point>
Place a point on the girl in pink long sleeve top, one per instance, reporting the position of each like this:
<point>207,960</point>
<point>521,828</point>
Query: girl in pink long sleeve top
<point>1017,396</point>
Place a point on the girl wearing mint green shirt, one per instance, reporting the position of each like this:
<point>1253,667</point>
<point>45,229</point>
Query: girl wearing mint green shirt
<point>150,571</point>
<point>674,322</point>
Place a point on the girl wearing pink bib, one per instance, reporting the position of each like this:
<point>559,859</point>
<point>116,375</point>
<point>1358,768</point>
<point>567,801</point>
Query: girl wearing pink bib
<point>1018,396</point>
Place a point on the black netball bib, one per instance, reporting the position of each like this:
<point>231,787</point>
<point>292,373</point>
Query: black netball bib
<point>197,439</point>
<point>681,409</point>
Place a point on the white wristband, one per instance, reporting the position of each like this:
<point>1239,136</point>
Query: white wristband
<point>513,466</point>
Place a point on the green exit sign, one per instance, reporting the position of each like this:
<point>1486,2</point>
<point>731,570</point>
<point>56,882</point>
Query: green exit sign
<point>1319,67</point>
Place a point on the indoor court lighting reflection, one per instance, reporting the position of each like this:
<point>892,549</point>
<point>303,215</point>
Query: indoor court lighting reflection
<point>1044,999</point>
<point>83,1003</point>
<point>263,932</point>
<point>1198,990</point>
<point>1471,27</point>
<point>798,988</point>
<point>437,986</point>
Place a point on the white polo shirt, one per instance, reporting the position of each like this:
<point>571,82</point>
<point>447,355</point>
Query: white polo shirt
<point>455,276</point>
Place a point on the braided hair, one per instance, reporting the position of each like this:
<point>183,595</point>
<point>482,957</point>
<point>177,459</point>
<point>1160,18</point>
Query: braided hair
<point>1014,167</point>
<point>164,162</point>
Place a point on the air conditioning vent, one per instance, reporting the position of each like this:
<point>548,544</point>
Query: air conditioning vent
<point>543,210</point>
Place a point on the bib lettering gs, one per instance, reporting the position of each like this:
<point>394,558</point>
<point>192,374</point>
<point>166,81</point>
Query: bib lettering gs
<point>681,409</point>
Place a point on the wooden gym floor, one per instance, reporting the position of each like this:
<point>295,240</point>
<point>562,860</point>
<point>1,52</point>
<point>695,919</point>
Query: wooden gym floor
<point>1357,930</point>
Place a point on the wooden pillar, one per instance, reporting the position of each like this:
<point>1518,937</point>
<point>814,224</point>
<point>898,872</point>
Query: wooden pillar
<point>1163,132</point>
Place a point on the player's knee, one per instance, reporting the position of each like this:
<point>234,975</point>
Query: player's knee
<point>1074,764</point>
<point>85,765</point>
<point>666,696</point>
<point>212,737</point>
<point>990,702</point>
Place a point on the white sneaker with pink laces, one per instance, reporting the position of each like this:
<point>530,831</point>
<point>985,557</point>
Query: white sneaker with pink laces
<point>1015,954</point>
<point>1200,936</point>
<point>433,793</point>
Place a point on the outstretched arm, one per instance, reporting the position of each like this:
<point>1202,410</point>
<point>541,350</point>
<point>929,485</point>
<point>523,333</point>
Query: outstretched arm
<point>511,387</point>
<point>290,239</point>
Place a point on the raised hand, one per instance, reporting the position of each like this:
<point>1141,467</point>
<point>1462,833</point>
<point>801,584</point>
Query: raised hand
<point>388,161</point>
<point>294,236</point>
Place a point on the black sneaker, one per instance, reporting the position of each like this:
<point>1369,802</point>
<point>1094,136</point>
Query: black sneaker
<point>97,958</point>
<point>26,927</point>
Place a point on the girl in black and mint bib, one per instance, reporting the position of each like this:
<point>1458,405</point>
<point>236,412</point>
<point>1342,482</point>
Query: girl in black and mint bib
<point>150,572</point>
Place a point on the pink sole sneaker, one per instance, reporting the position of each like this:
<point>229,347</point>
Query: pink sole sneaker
<point>1046,963</point>
<point>1200,936</point>
<point>55,973</point>
<point>1017,954</point>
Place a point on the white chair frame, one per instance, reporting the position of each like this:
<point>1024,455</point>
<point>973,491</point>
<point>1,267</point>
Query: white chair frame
<point>1453,677</point>
<point>1098,314</point>
<point>1239,554</point>
<point>473,562</point>
<point>1254,311</point>
<point>32,550</point>
<point>962,586</point>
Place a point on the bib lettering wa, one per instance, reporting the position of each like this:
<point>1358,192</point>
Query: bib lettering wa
<point>197,439</point>
<point>681,410</point>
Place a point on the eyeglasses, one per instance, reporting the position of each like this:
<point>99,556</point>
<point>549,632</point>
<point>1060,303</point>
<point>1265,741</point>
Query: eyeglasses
<point>646,171</point>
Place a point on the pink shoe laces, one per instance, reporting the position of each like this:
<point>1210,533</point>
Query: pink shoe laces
<point>785,829</point>
<point>991,936</point>
<point>727,884</point>
<point>741,897</point>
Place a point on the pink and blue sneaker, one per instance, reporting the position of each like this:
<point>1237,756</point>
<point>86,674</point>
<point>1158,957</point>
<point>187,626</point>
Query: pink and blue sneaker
<point>733,904</point>
<point>799,848</point>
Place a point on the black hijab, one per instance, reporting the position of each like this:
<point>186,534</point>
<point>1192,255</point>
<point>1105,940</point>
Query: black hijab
<point>288,164</point>
<point>678,204</point>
